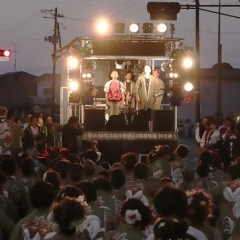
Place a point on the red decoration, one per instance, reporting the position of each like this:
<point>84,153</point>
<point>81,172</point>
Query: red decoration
<point>188,98</point>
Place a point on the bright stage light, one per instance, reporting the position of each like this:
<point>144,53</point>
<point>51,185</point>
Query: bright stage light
<point>134,28</point>
<point>162,27</point>
<point>73,85</point>
<point>89,75</point>
<point>73,62</point>
<point>187,62</point>
<point>188,86</point>
<point>102,27</point>
<point>175,75</point>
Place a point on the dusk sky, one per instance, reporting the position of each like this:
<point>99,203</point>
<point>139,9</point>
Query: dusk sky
<point>23,24</point>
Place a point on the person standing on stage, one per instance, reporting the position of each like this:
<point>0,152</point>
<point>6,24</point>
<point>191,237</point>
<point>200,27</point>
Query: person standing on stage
<point>114,94</point>
<point>130,92</point>
<point>146,89</point>
<point>159,90</point>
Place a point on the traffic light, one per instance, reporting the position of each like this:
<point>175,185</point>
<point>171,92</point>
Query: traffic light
<point>163,10</point>
<point>5,53</point>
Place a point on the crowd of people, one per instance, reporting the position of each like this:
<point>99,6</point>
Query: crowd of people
<point>48,191</point>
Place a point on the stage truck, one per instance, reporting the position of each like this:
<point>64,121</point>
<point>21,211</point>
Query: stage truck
<point>82,92</point>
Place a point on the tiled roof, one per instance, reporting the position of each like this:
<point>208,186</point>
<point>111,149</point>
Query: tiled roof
<point>226,73</point>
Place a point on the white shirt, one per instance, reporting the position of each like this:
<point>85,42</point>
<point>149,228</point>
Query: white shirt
<point>208,141</point>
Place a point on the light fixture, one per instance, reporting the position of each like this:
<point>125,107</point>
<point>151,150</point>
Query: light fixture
<point>173,75</point>
<point>134,28</point>
<point>119,28</point>
<point>87,75</point>
<point>161,28</point>
<point>73,62</point>
<point>187,62</point>
<point>102,27</point>
<point>147,27</point>
<point>188,86</point>
<point>73,85</point>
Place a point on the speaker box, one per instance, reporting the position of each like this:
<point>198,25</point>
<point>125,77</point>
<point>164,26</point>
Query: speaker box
<point>116,123</point>
<point>94,120</point>
<point>163,120</point>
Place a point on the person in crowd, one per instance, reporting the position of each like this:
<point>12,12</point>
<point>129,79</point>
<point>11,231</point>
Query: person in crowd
<point>89,170</point>
<point>236,141</point>
<point>225,195</point>
<point>27,178</point>
<point>128,161</point>
<point>147,90</point>
<point>17,194</point>
<point>53,178</point>
<point>159,166</point>
<point>117,165</point>
<point>106,166</point>
<point>117,180</point>
<point>180,169</point>
<point>62,167</point>
<point>199,205</point>
<point>201,128</point>
<point>130,92</point>
<point>52,131</point>
<point>159,88</point>
<point>226,122</point>
<point>100,220</point>
<point>114,94</point>
<point>19,121</point>
<point>104,197</point>
<point>166,181</point>
<point>72,192</point>
<point>69,215</point>
<point>89,146</point>
<point>134,189</point>
<point>172,202</point>
<point>6,226</point>
<point>5,204</point>
<point>135,217</point>
<point>75,173</point>
<point>35,223</point>
<point>40,119</point>
<point>16,134</point>
<point>27,120</point>
<point>34,137</point>
<point>70,132</point>
<point>210,137</point>
<point>171,228</point>
<point>104,174</point>
<point>188,126</point>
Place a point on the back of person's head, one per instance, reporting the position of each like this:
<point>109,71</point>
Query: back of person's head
<point>53,178</point>
<point>233,172</point>
<point>105,165</point>
<point>135,213</point>
<point>10,114</point>
<point>117,178</point>
<point>237,129</point>
<point>129,160</point>
<point>27,167</point>
<point>117,165</point>
<point>69,191</point>
<point>151,187</point>
<point>199,205</point>
<point>89,168</point>
<point>62,167</point>
<point>73,158</point>
<point>8,165</point>
<point>171,202</point>
<point>89,190</point>
<point>90,154</point>
<point>166,181</point>
<point>68,214</point>
<point>182,151</point>
<point>73,120</point>
<point>104,174</point>
<point>140,171</point>
<point>170,228</point>
<point>63,153</point>
<point>75,171</point>
<point>161,151</point>
<point>206,157</point>
<point>41,194</point>
<point>103,184</point>
<point>202,170</point>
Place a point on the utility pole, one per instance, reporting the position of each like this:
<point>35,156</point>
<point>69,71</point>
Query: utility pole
<point>197,52</point>
<point>219,72</point>
<point>15,55</point>
<point>54,40</point>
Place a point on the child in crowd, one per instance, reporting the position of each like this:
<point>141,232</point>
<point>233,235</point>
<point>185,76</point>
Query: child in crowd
<point>159,166</point>
<point>135,218</point>
<point>117,180</point>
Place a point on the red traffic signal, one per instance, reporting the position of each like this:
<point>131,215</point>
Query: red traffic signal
<point>5,53</point>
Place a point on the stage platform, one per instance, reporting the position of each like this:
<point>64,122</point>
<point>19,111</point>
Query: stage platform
<point>113,144</point>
